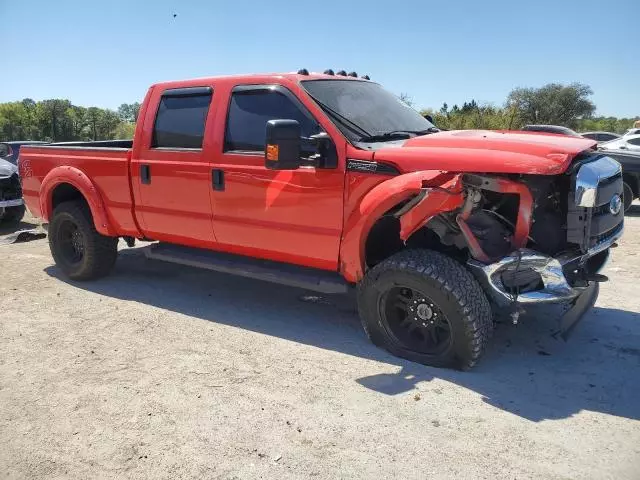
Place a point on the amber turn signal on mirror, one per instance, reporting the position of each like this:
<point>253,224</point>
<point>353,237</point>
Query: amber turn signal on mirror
<point>272,153</point>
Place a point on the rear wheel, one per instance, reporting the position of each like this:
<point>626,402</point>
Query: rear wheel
<point>424,306</point>
<point>627,196</point>
<point>77,248</point>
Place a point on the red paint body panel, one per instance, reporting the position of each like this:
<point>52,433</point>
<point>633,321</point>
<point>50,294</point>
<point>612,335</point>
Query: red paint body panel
<point>372,206</point>
<point>314,217</point>
<point>444,199</point>
<point>487,151</point>
<point>101,173</point>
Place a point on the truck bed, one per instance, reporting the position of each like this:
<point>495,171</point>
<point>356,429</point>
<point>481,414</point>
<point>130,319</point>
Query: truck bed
<point>106,163</point>
<point>111,144</point>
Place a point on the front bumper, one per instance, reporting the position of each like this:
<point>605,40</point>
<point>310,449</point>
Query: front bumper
<point>554,288</point>
<point>11,203</point>
<point>581,305</point>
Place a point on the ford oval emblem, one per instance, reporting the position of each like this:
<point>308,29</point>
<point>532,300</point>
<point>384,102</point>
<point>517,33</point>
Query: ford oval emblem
<point>615,205</point>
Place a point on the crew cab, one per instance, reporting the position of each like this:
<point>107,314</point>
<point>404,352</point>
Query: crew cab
<point>327,182</point>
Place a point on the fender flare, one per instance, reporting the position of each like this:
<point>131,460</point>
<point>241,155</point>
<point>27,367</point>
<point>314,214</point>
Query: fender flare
<point>376,203</point>
<point>79,180</point>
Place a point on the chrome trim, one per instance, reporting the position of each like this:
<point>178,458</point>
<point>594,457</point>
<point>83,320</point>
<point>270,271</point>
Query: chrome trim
<point>589,176</point>
<point>556,288</point>
<point>11,203</point>
<point>606,243</point>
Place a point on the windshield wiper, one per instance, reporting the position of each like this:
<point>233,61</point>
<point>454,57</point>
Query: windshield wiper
<point>354,127</point>
<point>397,135</point>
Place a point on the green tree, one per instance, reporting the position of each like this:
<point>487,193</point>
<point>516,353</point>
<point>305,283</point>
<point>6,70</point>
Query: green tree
<point>128,112</point>
<point>124,131</point>
<point>553,104</point>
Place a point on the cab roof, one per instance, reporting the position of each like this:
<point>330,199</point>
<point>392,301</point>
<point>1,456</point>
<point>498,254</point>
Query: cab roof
<point>293,77</point>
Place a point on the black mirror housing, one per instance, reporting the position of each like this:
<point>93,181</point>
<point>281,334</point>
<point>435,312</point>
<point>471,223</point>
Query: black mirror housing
<point>283,145</point>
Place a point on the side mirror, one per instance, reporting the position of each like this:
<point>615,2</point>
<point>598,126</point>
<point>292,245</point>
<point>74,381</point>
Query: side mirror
<point>283,142</point>
<point>327,156</point>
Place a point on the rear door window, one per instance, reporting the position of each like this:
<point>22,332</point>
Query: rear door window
<point>181,118</point>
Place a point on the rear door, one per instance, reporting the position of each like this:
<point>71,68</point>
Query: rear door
<point>171,175</point>
<point>292,216</point>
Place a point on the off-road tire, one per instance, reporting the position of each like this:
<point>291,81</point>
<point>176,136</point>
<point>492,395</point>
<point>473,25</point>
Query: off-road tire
<point>13,215</point>
<point>100,252</point>
<point>451,287</point>
<point>627,196</point>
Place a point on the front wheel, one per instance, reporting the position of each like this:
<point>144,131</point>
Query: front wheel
<point>424,306</point>
<point>77,248</point>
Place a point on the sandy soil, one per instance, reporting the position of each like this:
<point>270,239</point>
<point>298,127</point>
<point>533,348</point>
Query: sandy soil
<point>162,371</point>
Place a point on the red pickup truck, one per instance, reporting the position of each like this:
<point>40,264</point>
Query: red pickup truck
<point>327,181</point>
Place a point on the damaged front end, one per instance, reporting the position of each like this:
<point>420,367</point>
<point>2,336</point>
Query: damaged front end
<point>534,239</point>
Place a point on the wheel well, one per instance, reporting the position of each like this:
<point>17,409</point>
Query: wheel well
<point>384,240</point>
<point>65,192</point>
<point>633,182</point>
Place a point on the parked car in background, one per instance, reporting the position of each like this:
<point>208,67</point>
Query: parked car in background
<point>631,131</point>
<point>627,142</point>
<point>601,137</point>
<point>630,161</point>
<point>11,204</point>
<point>557,129</point>
<point>9,151</point>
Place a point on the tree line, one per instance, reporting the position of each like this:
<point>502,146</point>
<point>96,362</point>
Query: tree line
<point>570,105</point>
<point>553,104</point>
<point>58,120</point>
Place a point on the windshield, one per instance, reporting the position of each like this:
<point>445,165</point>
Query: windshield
<point>363,109</point>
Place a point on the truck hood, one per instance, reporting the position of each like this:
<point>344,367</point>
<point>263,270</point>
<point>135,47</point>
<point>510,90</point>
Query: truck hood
<point>486,151</point>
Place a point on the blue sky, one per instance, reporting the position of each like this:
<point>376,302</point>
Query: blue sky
<point>108,52</point>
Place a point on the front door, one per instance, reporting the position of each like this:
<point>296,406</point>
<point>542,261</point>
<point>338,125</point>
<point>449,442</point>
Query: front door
<point>172,177</point>
<point>290,216</point>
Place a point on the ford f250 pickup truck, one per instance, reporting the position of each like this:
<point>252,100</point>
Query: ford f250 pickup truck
<point>326,182</point>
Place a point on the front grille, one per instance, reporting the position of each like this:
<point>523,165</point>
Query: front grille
<point>10,188</point>
<point>599,186</point>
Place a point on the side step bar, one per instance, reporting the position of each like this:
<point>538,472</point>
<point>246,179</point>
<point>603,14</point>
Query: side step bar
<point>284,274</point>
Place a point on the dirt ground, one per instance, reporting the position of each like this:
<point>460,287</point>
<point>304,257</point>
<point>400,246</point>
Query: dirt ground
<point>161,371</point>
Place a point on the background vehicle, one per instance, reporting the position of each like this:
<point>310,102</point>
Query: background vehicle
<point>630,161</point>
<point>328,181</point>
<point>600,137</point>
<point>631,131</point>
<point>11,204</point>
<point>627,142</point>
<point>9,151</point>
<point>551,129</point>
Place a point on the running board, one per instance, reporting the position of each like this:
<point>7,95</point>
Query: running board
<point>274,272</point>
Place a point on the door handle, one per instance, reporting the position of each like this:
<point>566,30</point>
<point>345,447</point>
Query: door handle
<point>217,179</point>
<point>145,174</point>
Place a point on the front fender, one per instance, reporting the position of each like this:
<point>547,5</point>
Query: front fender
<point>383,198</point>
<point>79,180</point>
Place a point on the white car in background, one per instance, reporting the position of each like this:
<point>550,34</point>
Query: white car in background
<point>600,137</point>
<point>626,142</point>
<point>631,131</point>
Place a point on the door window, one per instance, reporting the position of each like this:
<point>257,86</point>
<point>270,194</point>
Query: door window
<point>249,112</point>
<point>180,121</point>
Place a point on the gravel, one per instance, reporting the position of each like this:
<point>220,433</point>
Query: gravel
<point>161,371</point>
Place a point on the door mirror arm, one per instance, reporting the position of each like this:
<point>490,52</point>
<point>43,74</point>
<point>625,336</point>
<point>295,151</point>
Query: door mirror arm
<point>327,156</point>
